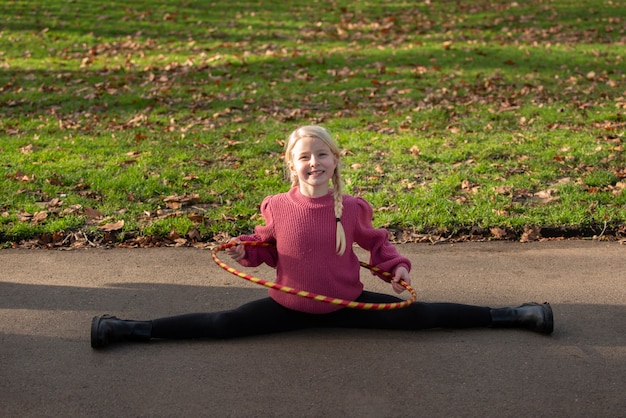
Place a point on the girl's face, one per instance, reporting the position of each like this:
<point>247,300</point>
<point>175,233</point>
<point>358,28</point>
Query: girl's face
<point>314,164</point>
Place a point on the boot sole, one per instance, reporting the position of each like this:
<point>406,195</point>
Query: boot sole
<point>547,325</point>
<point>549,319</point>
<point>96,340</point>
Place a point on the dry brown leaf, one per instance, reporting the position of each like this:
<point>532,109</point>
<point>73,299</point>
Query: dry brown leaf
<point>93,214</point>
<point>176,202</point>
<point>127,163</point>
<point>498,233</point>
<point>546,196</point>
<point>232,143</point>
<point>618,188</point>
<point>137,120</point>
<point>503,189</point>
<point>73,209</point>
<point>531,233</point>
<point>196,217</point>
<point>27,149</point>
<point>24,216</point>
<point>55,181</point>
<point>22,177</point>
<point>194,235</point>
<point>470,187</point>
<point>39,217</point>
<point>112,226</point>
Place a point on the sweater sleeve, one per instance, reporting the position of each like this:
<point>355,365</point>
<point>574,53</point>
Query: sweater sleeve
<point>256,256</point>
<point>383,254</point>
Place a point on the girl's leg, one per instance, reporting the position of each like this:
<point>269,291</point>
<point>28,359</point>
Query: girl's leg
<point>266,316</point>
<point>259,317</point>
<point>419,315</point>
<point>262,316</point>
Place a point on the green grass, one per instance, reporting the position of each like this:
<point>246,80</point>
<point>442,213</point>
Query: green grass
<point>170,115</point>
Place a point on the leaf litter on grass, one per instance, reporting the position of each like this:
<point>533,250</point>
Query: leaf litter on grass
<point>191,75</point>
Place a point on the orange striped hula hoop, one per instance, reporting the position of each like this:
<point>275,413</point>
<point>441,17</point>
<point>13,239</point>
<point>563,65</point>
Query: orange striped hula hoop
<point>320,298</point>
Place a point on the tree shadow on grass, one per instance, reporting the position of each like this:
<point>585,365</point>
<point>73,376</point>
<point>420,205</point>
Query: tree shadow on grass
<point>212,94</point>
<point>243,20</point>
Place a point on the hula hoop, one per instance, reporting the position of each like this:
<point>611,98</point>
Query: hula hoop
<point>309,295</point>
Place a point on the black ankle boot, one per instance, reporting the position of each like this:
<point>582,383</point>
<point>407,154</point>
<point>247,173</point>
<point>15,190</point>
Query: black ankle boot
<point>533,316</point>
<point>107,329</point>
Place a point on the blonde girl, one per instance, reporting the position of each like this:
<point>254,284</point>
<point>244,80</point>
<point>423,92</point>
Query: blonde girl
<point>312,230</point>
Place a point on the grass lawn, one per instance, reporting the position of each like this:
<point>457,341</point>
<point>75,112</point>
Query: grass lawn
<point>158,123</point>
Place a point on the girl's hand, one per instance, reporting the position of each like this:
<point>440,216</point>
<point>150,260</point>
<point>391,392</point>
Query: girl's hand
<point>236,252</point>
<point>401,273</point>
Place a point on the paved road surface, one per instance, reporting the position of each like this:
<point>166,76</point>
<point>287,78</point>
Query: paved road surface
<point>47,368</point>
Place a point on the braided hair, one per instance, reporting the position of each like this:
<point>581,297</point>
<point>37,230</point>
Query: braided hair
<point>322,134</point>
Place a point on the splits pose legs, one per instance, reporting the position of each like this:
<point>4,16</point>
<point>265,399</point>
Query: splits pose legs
<point>266,316</point>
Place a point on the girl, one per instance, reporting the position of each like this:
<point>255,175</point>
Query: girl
<point>313,228</point>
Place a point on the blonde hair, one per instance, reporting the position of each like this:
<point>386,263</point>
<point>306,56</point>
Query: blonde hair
<point>314,131</point>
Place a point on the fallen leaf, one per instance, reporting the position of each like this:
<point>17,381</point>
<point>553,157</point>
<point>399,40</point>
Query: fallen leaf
<point>503,189</point>
<point>195,217</point>
<point>194,235</point>
<point>54,203</point>
<point>27,149</point>
<point>546,196</point>
<point>176,202</point>
<point>24,216</point>
<point>112,226</point>
<point>531,233</point>
<point>93,214</point>
<point>498,233</point>
<point>39,217</point>
<point>470,187</point>
<point>127,163</point>
<point>73,209</point>
<point>55,181</point>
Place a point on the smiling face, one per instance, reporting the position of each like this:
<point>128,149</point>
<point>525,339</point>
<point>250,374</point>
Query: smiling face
<point>313,162</point>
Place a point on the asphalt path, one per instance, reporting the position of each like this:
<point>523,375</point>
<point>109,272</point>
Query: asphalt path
<point>48,369</point>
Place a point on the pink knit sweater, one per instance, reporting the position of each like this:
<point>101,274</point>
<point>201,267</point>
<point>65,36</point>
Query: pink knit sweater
<point>303,231</point>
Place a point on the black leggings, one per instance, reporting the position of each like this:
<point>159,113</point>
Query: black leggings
<point>266,316</point>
